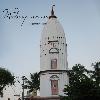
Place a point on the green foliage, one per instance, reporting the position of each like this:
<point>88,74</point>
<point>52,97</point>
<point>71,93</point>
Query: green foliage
<point>96,73</point>
<point>83,84</point>
<point>34,83</point>
<point>6,78</point>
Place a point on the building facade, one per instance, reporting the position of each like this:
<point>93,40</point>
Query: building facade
<point>53,58</point>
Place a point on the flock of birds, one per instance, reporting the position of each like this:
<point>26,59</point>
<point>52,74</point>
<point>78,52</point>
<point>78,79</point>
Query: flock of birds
<point>16,15</point>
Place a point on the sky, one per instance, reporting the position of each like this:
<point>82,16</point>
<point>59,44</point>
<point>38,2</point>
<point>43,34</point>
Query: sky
<point>20,45</point>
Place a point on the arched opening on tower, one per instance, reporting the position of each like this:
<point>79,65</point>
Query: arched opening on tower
<point>54,64</point>
<point>54,87</point>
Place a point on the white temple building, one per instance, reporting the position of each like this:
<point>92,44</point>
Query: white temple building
<point>53,59</point>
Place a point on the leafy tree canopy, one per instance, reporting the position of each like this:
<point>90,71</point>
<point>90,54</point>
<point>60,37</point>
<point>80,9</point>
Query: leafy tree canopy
<point>6,78</point>
<point>96,73</point>
<point>34,82</point>
<point>83,84</point>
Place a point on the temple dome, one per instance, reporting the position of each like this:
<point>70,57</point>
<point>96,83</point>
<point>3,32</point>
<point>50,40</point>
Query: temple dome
<point>52,28</point>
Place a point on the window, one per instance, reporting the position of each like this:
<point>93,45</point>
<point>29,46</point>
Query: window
<point>54,50</point>
<point>53,63</point>
<point>54,87</point>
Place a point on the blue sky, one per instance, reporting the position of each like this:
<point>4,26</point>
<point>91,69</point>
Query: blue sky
<point>19,46</point>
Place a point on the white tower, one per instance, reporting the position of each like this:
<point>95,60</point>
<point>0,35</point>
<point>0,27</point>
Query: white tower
<point>53,58</point>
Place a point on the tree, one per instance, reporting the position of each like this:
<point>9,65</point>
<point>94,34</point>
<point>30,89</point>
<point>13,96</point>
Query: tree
<point>34,83</point>
<point>6,78</point>
<point>96,73</point>
<point>96,78</point>
<point>81,85</point>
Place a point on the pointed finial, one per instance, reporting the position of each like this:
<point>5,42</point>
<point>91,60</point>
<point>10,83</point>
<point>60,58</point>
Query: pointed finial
<point>52,13</point>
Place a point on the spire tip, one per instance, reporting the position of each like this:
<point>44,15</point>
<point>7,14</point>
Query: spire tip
<point>52,13</point>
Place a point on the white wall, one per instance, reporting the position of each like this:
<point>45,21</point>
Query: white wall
<point>53,31</point>
<point>45,83</point>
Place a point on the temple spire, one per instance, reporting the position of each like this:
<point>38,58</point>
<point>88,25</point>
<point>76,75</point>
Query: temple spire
<point>52,13</point>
